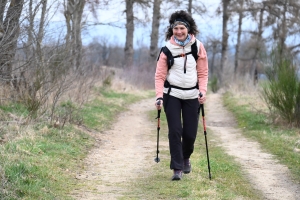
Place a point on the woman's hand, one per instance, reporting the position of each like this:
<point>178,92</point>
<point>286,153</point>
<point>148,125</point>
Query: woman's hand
<point>202,98</point>
<point>158,104</point>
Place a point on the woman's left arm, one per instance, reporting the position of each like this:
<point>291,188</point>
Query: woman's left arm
<point>202,69</point>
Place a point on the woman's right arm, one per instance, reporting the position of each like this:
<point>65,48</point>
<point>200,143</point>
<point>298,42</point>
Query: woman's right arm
<point>160,75</point>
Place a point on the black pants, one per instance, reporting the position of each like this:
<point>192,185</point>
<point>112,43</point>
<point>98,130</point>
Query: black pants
<point>182,117</point>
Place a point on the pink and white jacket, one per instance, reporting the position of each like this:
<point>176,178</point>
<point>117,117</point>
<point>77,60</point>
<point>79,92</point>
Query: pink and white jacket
<point>176,76</point>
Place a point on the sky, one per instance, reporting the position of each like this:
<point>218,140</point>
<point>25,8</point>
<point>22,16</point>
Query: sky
<point>114,35</point>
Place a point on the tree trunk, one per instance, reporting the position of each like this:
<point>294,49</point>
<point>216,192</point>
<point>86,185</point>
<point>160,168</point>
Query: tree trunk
<point>77,32</point>
<point>30,29</point>
<point>68,16</point>
<point>11,30</point>
<point>2,8</point>
<point>155,30</point>
<point>190,7</point>
<point>257,47</point>
<point>283,32</point>
<point>225,36</point>
<point>212,68</point>
<point>238,42</point>
<point>73,15</point>
<point>129,33</point>
<point>40,34</point>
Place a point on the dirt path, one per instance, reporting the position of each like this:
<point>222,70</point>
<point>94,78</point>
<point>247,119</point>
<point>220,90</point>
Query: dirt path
<point>122,153</point>
<point>265,173</point>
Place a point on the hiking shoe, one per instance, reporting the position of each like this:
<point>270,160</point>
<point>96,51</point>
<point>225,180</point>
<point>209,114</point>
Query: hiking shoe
<point>187,166</point>
<point>177,175</point>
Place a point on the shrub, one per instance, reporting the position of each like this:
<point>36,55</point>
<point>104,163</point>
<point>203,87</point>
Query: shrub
<point>67,112</point>
<point>282,91</point>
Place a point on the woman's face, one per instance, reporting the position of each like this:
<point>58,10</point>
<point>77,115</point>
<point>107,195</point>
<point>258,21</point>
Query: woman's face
<point>180,32</point>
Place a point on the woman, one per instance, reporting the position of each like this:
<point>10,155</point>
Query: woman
<point>178,89</point>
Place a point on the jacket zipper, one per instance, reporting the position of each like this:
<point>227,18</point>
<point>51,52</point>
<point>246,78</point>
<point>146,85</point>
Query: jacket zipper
<point>185,58</point>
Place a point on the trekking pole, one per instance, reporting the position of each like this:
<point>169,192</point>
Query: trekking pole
<point>158,128</point>
<point>204,128</point>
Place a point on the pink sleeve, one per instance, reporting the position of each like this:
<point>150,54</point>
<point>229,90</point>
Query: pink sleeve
<point>202,69</point>
<point>160,74</point>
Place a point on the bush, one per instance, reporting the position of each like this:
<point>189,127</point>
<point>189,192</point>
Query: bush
<point>67,112</point>
<point>282,91</point>
<point>214,84</point>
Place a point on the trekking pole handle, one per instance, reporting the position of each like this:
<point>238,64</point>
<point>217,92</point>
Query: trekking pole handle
<point>200,94</point>
<point>201,105</point>
<point>158,103</point>
<point>158,111</point>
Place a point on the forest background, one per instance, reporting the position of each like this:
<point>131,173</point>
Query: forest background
<point>44,61</point>
<point>55,55</point>
<point>48,46</point>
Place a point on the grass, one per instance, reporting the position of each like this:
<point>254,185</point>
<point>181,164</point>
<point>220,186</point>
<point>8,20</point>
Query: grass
<point>38,166</point>
<point>100,112</point>
<point>278,140</point>
<point>40,161</point>
<point>17,109</point>
<point>228,181</point>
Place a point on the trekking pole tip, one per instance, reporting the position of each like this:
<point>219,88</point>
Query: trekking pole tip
<point>156,159</point>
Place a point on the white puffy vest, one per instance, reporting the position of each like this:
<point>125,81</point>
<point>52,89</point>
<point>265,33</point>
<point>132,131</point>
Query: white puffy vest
<point>177,76</point>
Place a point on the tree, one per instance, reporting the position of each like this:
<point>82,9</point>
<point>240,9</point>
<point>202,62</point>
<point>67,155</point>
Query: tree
<point>283,17</point>
<point>190,6</point>
<point>129,33</point>
<point>214,45</point>
<point>2,9</point>
<point>257,47</point>
<point>128,50</point>
<point>155,29</point>
<point>10,29</point>
<point>239,33</point>
<point>73,15</point>
<point>225,36</point>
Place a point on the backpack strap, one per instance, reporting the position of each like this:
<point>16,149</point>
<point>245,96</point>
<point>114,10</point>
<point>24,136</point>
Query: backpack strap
<point>170,57</point>
<point>195,50</point>
<point>159,54</point>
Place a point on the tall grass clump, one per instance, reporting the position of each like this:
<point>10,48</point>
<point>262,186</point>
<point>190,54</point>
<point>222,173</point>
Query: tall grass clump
<point>214,84</point>
<point>282,90</point>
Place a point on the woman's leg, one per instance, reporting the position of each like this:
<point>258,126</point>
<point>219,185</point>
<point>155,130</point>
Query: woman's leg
<point>173,114</point>
<point>190,118</point>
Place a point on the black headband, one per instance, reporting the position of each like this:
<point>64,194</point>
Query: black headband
<point>181,21</point>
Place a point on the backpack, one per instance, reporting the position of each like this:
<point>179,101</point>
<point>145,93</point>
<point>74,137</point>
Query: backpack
<point>170,57</point>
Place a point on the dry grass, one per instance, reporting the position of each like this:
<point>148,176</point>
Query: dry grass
<point>80,91</point>
<point>249,94</point>
<point>141,77</point>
